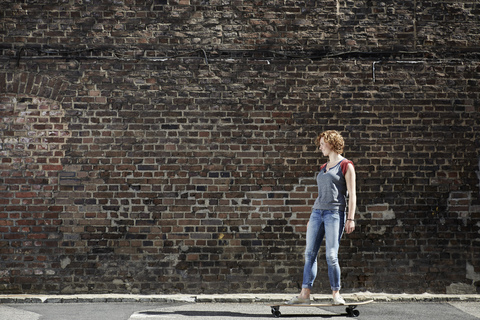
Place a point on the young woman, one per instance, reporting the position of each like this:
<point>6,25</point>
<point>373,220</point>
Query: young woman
<point>327,220</point>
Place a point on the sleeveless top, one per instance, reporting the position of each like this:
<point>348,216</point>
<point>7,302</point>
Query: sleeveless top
<point>332,187</point>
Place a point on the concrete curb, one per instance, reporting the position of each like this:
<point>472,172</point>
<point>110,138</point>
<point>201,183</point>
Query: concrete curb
<point>229,298</point>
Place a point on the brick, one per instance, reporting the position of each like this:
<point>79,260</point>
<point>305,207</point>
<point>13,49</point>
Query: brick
<point>123,163</point>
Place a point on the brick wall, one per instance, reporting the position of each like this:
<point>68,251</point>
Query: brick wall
<point>167,146</point>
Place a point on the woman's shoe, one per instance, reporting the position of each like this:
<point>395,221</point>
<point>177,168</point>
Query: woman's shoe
<point>298,300</point>
<point>338,300</point>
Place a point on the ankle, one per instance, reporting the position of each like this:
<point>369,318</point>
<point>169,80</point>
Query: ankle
<point>305,294</point>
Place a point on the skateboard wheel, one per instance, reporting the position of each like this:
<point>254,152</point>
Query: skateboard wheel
<point>276,312</point>
<point>352,312</point>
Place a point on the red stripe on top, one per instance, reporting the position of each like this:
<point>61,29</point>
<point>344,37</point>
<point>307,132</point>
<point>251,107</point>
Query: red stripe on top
<point>343,166</point>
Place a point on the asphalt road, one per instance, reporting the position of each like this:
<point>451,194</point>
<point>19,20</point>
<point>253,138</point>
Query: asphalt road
<point>243,311</point>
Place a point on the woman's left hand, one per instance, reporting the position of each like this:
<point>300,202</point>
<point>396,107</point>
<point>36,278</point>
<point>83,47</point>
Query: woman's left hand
<point>349,226</point>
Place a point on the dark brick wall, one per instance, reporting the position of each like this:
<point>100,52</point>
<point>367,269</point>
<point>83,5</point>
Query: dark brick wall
<point>167,146</point>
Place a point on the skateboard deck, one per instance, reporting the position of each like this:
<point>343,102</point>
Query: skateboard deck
<point>350,307</point>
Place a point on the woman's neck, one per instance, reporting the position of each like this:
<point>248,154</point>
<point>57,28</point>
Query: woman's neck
<point>334,157</point>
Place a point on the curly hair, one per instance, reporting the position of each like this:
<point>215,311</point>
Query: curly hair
<point>333,138</point>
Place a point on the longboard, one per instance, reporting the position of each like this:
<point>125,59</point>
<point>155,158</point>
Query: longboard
<point>350,307</point>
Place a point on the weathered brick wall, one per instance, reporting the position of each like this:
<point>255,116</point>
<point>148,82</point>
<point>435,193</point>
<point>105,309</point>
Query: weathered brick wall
<point>167,146</point>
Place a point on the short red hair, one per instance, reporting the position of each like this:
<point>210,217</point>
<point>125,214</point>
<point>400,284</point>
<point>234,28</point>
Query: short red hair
<point>333,138</point>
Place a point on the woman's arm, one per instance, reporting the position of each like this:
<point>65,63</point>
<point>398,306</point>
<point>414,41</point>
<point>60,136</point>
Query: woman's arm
<point>352,199</point>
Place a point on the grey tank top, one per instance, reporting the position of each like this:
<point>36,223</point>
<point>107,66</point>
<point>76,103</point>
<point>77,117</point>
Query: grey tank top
<point>332,188</point>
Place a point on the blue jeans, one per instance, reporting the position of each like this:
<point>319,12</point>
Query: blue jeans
<point>328,224</point>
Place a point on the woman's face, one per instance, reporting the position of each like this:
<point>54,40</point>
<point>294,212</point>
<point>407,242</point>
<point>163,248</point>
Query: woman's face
<point>325,147</point>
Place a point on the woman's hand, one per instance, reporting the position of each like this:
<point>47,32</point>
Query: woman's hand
<point>349,226</point>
